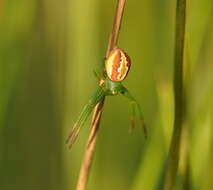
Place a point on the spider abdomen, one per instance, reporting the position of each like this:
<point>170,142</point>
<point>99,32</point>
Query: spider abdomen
<point>117,65</point>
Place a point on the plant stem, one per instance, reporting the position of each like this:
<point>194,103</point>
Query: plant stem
<point>90,148</point>
<point>173,159</point>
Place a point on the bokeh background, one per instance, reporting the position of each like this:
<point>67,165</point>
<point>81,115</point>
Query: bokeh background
<point>48,50</point>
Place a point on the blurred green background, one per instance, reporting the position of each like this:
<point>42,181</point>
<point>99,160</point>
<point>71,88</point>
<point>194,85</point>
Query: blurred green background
<point>48,50</point>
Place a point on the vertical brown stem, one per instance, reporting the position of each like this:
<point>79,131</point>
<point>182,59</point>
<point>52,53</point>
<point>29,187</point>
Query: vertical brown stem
<point>116,26</point>
<point>89,152</point>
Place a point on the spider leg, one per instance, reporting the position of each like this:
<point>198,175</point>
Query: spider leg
<point>88,108</point>
<point>134,105</point>
<point>99,72</point>
<point>133,116</point>
<point>79,123</point>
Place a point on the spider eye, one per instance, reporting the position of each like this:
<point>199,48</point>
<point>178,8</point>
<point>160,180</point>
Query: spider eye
<point>117,65</point>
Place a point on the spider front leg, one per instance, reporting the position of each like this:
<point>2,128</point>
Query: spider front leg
<point>96,98</point>
<point>99,72</point>
<point>134,105</point>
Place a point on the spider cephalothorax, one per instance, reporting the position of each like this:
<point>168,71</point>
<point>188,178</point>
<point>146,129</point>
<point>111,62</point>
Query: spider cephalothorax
<point>113,72</point>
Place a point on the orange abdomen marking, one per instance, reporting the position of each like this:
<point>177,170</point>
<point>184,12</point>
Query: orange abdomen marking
<point>117,65</point>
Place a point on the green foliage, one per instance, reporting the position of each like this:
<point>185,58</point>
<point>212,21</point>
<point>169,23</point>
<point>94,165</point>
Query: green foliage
<point>48,51</point>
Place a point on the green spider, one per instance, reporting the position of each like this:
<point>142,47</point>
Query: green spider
<point>117,66</point>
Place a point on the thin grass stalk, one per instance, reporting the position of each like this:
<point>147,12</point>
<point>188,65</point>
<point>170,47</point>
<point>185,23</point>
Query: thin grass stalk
<point>90,148</point>
<point>174,152</point>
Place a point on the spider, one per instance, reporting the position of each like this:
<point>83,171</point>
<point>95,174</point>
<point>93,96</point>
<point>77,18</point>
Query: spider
<point>113,72</point>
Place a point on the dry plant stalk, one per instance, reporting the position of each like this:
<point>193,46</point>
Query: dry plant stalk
<point>90,148</point>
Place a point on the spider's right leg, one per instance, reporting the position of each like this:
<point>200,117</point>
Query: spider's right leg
<point>97,97</point>
<point>99,72</point>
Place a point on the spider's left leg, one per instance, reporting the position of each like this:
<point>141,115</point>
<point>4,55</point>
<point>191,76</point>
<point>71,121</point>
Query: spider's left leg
<point>134,105</point>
